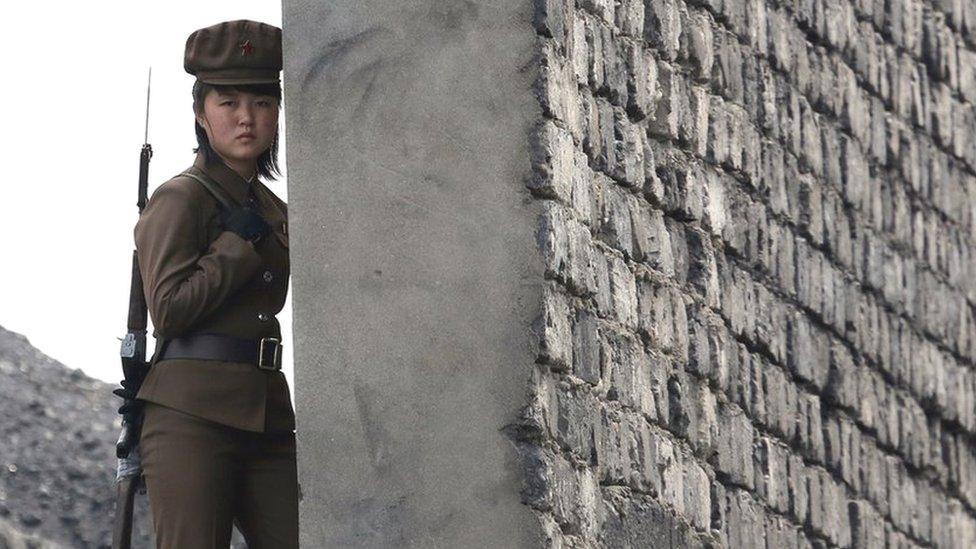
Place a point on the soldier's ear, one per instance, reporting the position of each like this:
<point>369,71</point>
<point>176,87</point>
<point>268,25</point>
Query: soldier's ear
<point>198,113</point>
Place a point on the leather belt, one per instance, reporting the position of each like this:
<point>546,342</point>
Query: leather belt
<point>265,353</point>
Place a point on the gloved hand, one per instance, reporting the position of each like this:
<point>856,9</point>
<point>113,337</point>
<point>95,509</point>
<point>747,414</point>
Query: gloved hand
<point>131,411</point>
<point>128,392</point>
<point>245,222</point>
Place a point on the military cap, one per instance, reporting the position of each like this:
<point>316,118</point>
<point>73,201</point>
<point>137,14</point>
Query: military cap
<point>234,52</point>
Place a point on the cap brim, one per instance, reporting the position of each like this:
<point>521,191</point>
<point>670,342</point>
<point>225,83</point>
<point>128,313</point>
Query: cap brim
<point>239,80</point>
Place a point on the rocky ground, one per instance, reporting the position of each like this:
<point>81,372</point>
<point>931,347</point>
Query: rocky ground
<point>58,429</point>
<point>57,454</point>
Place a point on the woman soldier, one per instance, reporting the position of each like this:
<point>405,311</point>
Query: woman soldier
<point>218,441</point>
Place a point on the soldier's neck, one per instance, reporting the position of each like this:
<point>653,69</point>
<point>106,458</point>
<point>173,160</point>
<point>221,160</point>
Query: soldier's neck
<point>244,169</point>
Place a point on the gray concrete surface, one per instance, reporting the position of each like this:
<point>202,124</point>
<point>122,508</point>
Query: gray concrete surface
<point>415,274</point>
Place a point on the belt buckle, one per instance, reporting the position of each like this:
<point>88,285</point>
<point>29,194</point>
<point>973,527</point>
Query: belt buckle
<point>276,356</point>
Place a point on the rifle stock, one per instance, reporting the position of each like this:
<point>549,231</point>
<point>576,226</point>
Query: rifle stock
<point>125,495</point>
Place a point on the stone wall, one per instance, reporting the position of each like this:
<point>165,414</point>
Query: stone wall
<point>758,325</point>
<point>744,230</point>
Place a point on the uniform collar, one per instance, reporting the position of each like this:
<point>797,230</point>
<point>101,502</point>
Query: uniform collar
<point>229,180</point>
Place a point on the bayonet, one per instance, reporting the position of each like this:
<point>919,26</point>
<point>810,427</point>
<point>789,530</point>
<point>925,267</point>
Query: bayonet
<point>146,154</point>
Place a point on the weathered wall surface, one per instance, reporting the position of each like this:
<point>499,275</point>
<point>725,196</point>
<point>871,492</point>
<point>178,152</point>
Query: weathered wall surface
<point>760,274</point>
<point>744,229</point>
<point>416,277</point>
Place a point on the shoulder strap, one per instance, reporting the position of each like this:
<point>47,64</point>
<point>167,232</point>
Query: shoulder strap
<point>218,194</point>
<point>210,185</point>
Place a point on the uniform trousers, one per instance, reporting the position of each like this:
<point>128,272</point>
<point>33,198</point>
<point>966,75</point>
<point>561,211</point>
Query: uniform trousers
<point>203,477</point>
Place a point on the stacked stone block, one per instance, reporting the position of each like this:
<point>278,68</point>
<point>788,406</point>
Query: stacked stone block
<point>758,233</point>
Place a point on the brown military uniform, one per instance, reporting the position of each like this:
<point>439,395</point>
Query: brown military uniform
<point>203,477</point>
<point>218,441</point>
<point>202,280</point>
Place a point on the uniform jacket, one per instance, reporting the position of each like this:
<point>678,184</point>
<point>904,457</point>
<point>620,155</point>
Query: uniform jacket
<point>199,279</point>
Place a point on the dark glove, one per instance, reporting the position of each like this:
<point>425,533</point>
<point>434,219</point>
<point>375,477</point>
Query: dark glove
<point>131,411</point>
<point>128,392</point>
<point>128,396</point>
<point>245,222</point>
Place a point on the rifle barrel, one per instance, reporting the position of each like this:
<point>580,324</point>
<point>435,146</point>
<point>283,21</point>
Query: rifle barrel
<point>148,87</point>
<point>145,155</point>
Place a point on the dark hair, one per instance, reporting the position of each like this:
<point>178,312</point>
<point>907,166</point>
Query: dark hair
<point>268,161</point>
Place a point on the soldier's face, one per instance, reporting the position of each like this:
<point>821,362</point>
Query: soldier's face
<point>239,125</point>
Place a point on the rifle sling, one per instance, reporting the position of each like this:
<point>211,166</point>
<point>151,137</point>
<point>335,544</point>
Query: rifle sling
<point>210,185</point>
<point>214,190</point>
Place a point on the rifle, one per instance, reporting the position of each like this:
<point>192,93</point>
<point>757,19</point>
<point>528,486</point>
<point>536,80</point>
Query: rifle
<point>134,370</point>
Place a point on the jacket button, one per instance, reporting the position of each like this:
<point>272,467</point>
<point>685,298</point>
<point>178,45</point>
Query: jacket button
<point>263,317</point>
<point>268,276</point>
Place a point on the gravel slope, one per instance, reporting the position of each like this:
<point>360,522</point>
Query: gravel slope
<point>57,453</point>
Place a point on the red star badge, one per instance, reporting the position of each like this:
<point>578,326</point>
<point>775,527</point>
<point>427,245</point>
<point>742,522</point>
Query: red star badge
<point>246,48</point>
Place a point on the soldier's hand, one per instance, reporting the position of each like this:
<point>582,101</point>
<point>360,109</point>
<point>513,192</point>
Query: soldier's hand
<point>128,392</point>
<point>130,406</point>
<point>245,222</point>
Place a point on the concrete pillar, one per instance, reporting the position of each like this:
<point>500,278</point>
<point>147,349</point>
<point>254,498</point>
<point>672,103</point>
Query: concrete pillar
<point>415,273</point>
